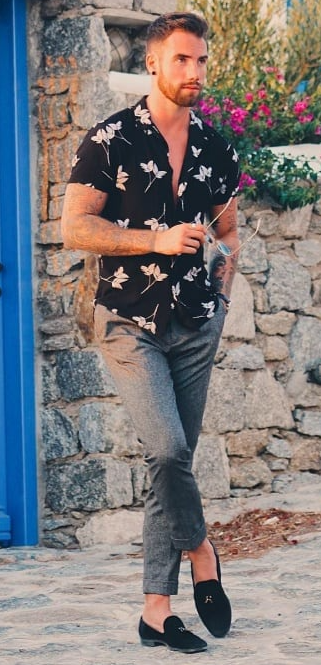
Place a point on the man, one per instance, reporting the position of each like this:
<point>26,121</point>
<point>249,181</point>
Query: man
<point>143,184</point>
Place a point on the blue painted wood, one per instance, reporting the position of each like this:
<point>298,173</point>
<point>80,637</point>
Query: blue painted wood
<point>17,318</point>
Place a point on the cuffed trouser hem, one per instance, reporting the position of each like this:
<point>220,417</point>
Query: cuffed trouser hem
<point>169,588</point>
<point>190,543</point>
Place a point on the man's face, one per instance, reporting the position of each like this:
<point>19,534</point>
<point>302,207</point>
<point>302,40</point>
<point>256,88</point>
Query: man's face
<point>181,67</point>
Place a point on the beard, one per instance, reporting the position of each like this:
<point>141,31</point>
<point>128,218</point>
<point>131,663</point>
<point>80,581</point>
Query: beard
<point>178,94</point>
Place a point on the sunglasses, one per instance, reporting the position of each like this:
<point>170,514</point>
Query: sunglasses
<point>220,246</point>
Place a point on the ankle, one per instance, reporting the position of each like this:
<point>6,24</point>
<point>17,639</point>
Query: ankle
<point>156,609</point>
<point>204,564</point>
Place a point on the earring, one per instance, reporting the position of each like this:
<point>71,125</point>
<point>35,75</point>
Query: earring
<point>153,73</point>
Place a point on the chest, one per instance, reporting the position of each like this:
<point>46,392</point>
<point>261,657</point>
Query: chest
<point>176,156</point>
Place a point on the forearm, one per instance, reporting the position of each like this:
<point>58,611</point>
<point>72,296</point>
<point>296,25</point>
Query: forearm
<point>94,234</point>
<point>222,270</point>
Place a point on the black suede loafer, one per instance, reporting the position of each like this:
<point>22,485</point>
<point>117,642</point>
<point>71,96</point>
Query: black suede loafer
<point>175,636</point>
<point>212,603</point>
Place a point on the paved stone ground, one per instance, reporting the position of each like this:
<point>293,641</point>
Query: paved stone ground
<point>82,607</point>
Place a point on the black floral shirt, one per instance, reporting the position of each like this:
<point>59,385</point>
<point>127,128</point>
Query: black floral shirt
<point>127,157</point>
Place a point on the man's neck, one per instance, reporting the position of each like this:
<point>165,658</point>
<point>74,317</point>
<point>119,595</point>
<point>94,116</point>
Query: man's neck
<point>167,115</point>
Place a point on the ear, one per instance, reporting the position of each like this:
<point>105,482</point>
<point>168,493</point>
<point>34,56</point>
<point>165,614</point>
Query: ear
<point>151,62</point>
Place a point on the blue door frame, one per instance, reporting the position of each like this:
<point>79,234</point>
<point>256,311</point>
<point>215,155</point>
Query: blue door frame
<point>18,475</point>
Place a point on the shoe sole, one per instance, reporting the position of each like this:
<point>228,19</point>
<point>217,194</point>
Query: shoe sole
<point>154,643</point>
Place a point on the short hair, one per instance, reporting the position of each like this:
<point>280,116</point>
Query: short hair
<point>165,24</point>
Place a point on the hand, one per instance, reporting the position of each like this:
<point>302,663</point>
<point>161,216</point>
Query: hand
<point>183,238</point>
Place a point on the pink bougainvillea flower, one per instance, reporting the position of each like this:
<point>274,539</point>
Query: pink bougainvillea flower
<point>264,109</point>
<point>228,104</point>
<point>306,118</point>
<point>239,114</point>
<point>246,181</point>
<point>301,105</point>
<point>318,130</point>
<point>269,122</point>
<point>262,94</point>
<point>249,97</point>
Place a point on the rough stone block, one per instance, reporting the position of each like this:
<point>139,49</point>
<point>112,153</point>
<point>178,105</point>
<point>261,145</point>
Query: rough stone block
<point>279,448</point>
<point>140,479</point>
<point>245,356</point>
<point>308,422</point>
<point>123,526</point>
<point>73,45</point>
<point>275,348</point>
<point>58,343</point>
<point>50,390</point>
<point>83,113</point>
<point>306,455</point>
<point>295,223</point>
<point>300,392</point>
<point>49,233</point>
<point>83,374</point>
<point>60,155</point>
<point>55,210</point>
<point>49,298</point>
<point>288,286</point>
<point>56,326</point>
<point>90,484</point>
<point>308,252</point>
<point>253,258</point>
<point>105,427</point>
<point>247,443</point>
<point>269,222</point>
<point>266,403</point>
<point>315,225</point>
<point>224,411</point>
<point>59,263</point>
<point>275,324</point>
<point>158,6</point>
<point>305,342</point>
<point>249,474</point>
<point>239,324</point>
<point>59,436</point>
<point>211,467</point>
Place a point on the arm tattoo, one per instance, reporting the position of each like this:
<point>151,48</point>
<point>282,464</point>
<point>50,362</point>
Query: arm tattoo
<point>84,228</point>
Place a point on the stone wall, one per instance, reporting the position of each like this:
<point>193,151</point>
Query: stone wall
<point>262,423</point>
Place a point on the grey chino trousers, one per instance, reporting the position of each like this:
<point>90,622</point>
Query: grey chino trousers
<point>163,383</point>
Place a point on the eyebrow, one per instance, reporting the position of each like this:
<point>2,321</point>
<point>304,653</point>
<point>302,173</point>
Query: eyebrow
<point>184,55</point>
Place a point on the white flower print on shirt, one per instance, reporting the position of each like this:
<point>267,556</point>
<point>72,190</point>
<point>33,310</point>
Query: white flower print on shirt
<point>192,273</point>
<point>104,136</point>
<point>123,223</point>
<point>75,161</point>
<point>153,172</point>
<point>176,291</point>
<point>143,115</point>
<point>195,120</point>
<point>196,151</point>
<point>181,189</point>
<point>122,177</point>
<point>117,278</point>
<point>222,185</point>
<point>156,224</point>
<point>210,308</point>
<point>154,275</point>
<point>204,175</point>
<point>143,322</point>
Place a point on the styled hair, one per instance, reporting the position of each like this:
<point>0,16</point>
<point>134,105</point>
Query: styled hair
<point>164,25</point>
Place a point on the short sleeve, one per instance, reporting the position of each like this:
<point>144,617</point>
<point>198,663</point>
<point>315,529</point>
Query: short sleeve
<point>93,165</point>
<point>226,183</point>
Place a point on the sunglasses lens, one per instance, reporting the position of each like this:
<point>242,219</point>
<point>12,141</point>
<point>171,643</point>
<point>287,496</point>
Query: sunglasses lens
<point>224,249</point>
